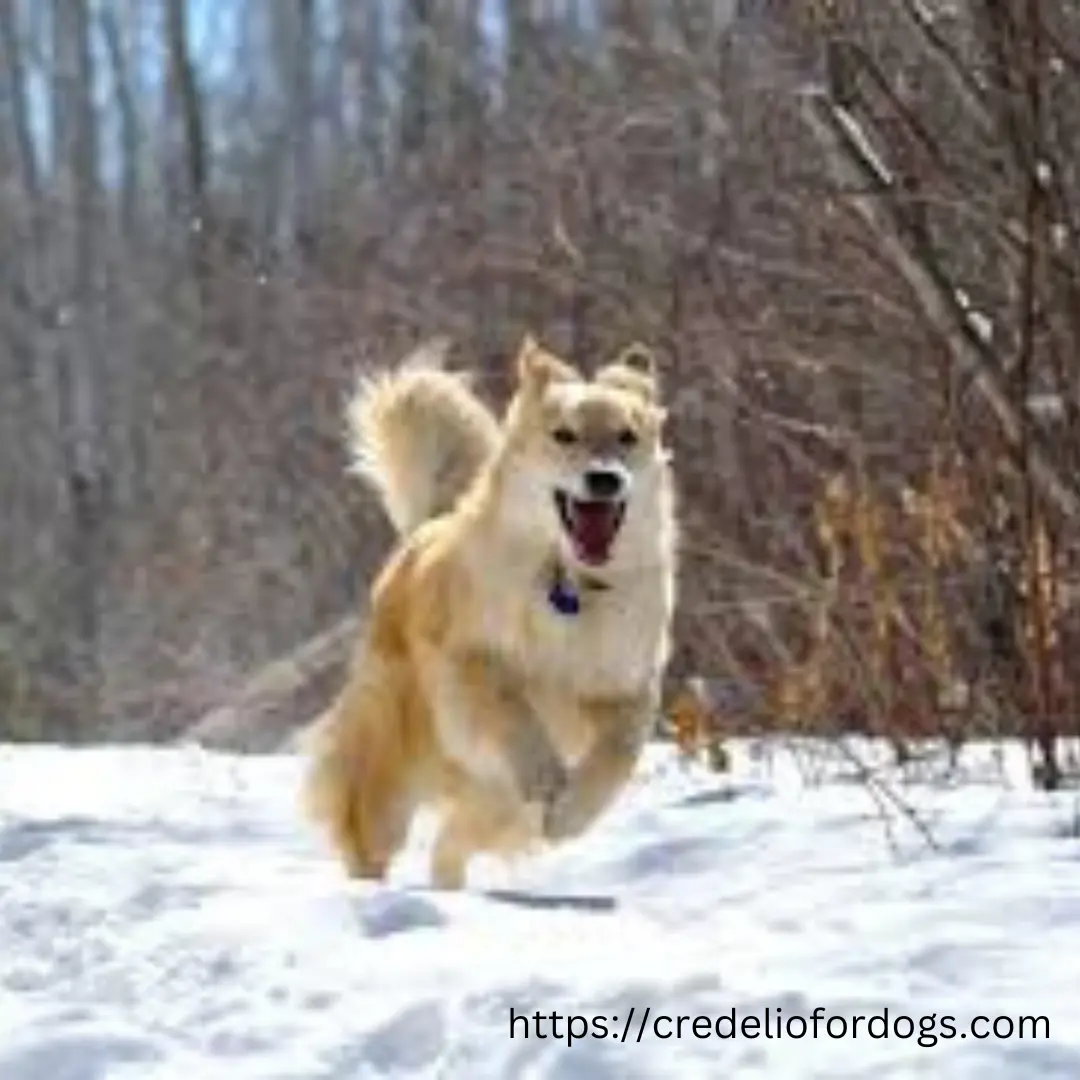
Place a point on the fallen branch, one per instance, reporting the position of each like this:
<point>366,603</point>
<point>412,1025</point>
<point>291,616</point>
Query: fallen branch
<point>282,698</point>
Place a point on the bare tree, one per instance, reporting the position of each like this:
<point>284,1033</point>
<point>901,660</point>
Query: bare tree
<point>850,232</point>
<point>131,133</point>
<point>418,89</point>
<point>77,357</point>
<point>184,102</point>
<point>16,113</point>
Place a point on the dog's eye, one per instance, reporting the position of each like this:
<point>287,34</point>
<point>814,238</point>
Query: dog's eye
<point>628,437</point>
<point>564,436</point>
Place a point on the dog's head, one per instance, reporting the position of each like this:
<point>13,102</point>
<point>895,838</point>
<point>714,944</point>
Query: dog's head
<point>590,451</point>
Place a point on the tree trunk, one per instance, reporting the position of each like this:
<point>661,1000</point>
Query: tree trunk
<point>185,97</point>
<point>78,356</point>
<point>418,33</point>
<point>372,97</point>
<point>13,91</point>
<point>296,43</point>
<point>130,127</point>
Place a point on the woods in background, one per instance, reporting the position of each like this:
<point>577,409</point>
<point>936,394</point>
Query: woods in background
<point>850,230</point>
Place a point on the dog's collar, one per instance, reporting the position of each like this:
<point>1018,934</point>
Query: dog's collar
<point>564,594</point>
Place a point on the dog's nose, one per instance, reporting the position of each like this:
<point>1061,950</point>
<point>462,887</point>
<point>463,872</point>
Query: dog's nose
<point>601,483</point>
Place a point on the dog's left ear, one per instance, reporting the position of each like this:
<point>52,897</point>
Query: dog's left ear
<point>638,357</point>
<point>536,367</point>
<point>635,370</point>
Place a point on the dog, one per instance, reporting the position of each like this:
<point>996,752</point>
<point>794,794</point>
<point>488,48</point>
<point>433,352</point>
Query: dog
<point>509,669</point>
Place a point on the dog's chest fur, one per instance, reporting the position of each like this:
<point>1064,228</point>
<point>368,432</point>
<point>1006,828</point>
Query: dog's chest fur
<point>612,646</point>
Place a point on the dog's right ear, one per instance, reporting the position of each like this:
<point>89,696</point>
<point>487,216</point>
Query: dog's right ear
<point>537,368</point>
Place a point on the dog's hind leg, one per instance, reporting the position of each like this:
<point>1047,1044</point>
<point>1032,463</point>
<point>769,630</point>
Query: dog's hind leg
<point>361,785</point>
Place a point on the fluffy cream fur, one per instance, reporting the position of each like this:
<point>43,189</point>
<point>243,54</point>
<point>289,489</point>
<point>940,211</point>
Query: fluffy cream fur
<point>468,691</point>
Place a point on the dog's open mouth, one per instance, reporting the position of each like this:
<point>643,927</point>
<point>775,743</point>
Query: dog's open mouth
<point>591,524</point>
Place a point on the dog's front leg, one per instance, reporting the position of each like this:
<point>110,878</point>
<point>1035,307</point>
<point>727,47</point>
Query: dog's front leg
<point>621,728</point>
<point>492,698</point>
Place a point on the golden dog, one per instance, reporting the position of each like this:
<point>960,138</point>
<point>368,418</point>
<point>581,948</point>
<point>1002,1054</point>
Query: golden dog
<point>510,665</point>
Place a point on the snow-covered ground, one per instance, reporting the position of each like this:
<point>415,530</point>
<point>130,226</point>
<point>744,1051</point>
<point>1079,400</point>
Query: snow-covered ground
<point>164,914</point>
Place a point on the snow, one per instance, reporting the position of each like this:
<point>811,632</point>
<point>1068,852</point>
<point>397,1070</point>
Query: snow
<point>165,913</point>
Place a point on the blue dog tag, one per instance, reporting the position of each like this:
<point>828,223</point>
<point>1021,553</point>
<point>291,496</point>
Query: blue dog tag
<point>563,598</point>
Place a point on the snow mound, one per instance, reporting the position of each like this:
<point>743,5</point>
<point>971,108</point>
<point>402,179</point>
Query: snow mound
<point>165,913</point>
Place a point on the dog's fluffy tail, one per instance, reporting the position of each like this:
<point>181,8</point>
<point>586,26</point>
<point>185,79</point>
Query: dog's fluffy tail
<point>419,435</point>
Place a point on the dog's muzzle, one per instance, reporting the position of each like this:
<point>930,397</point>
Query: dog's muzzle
<point>592,514</point>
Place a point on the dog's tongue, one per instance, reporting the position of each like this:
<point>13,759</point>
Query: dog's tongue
<point>594,525</point>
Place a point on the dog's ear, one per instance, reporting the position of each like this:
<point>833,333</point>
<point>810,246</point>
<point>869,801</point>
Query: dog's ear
<point>537,368</point>
<point>528,355</point>
<point>639,358</point>
<point>634,370</point>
